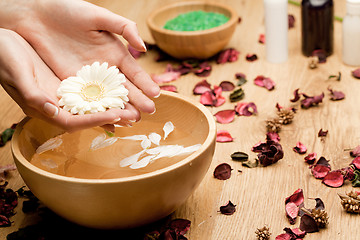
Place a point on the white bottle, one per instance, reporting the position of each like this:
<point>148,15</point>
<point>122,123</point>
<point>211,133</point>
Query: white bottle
<point>276,30</point>
<point>351,33</point>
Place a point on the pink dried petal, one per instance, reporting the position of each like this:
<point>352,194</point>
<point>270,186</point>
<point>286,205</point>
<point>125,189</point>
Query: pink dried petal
<point>311,101</point>
<point>310,158</point>
<point>278,106</point>
<point>296,96</point>
<point>207,99</point>
<point>170,88</point>
<point>135,53</point>
<point>264,82</point>
<point>297,197</point>
<point>336,95</point>
<point>222,171</point>
<point>246,109</point>
<point>291,21</point>
<point>262,38</point>
<point>225,116</point>
<point>333,179</point>
<point>228,209</point>
<point>217,91</point>
<point>201,87</point>
<point>321,54</point>
<point>356,73</point>
<point>322,133</point>
<point>320,171</point>
<point>220,101</point>
<point>227,86</point>
<point>300,148</point>
<point>295,232</point>
<point>165,77</point>
<point>283,236</point>
<point>223,136</point>
<point>204,69</point>
<point>227,55</point>
<point>292,212</point>
<point>356,162</point>
<point>355,152</point>
<point>251,57</point>
<point>273,136</point>
<point>4,170</point>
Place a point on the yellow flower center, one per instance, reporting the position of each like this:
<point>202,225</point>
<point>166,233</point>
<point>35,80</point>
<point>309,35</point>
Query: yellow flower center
<point>92,91</point>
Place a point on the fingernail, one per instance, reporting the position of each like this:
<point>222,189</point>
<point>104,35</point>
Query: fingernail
<point>153,112</point>
<point>116,120</point>
<point>143,45</point>
<point>51,110</point>
<point>128,125</point>
<point>158,95</point>
<point>132,120</point>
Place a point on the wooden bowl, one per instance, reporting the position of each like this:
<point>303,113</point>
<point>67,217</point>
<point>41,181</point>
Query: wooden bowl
<point>191,44</point>
<point>121,202</point>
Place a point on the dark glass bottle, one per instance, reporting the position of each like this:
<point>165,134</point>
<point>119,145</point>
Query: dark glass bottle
<point>317,26</point>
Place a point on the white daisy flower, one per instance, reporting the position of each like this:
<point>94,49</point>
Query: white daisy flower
<point>95,88</point>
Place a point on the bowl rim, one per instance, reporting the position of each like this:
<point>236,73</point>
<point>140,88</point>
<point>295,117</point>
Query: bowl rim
<point>229,23</point>
<point>18,157</point>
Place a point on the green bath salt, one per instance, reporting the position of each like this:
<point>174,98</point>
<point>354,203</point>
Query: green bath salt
<point>195,21</point>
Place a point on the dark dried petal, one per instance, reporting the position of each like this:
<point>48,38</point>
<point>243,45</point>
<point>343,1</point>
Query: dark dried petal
<point>311,101</point>
<point>308,224</point>
<point>291,21</point>
<point>356,181</point>
<point>262,38</point>
<point>270,153</point>
<point>300,148</point>
<point>336,95</point>
<point>322,133</point>
<point>310,158</point>
<point>251,57</point>
<point>222,171</point>
<point>323,161</point>
<point>223,136</point>
<point>333,179</point>
<point>296,96</point>
<point>321,54</point>
<point>356,73</point>
<point>356,162</point>
<point>237,95</point>
<point>297,197</point>
<point>283,236</point>
<point>241,77</point>
<point>225,116</point>
<point>228,209</point>
<point>204,69</point>
<point>355,152</point>
<point>227,86</point>
<point>170,88</point>
<point>319,204</point>
<point>292,212</point>
<point>239,156</point>
<point>180,226</point>
<point>202,87</point>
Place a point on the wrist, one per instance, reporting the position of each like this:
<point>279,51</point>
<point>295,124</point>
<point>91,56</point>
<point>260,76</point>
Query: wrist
<point>14,13</point>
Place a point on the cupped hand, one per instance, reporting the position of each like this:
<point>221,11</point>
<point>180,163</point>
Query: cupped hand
<point>30,82</point>
<point>68,34</point>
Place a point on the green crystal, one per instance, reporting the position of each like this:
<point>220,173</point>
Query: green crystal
<point>196,21</point>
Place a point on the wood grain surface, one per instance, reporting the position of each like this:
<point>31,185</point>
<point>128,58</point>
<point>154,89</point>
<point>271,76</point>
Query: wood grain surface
<point>259,193</point>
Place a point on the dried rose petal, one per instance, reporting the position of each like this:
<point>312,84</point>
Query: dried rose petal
<point>246,109</point>
<point>222,171</point>
<point>336,95</point>
<point>239,156</point>
<point>180,226</point>
<point>219,101</point>
<point>292,212</point>
<point>208,99</point>
<point>170,88</point>
<point>204,70</point>
<point>227,55</point>
<point>348,173</point>
<point>165,77</point>
<point>4,170</point>
<point>269,152</point>
<point>310,158</point>
<point>356,73</point>
<point>308,224</point>
<point>319,204</point>
<point>262,38</point>
<point>264,82</point>
<point>295,232</point>
<point>333,179</point>
<point>227,86</point>
<point>300,148</point>
<point>283,236</point>
<point>296,96</point>
<point>273,136</point>
<point>297,197</point>
<point>356,162</point>
<point>223,136</point>
<point>251,57</point>
<point>311,101</point>
<point>237,95</point>
<point>228,209</point>
<point>202,87</point>
<point>322,133</point>
<point>355,152</point>
<point>225,116</point>
<point>321,54</point>
<point>320,171</point>
<point>291,21</point>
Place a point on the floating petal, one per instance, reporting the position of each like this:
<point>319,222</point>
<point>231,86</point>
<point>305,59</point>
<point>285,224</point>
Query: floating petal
<point>168,128</point>
<point>142,162</point>
<point>49,163</point>
<point>155,138</point>
<point>131,159</point>
<point>50,144</point>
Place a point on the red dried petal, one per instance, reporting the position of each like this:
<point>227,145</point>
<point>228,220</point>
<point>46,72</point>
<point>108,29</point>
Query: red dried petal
<point>222,171</point>
<point>300,148</point>
<point>262,38</point>
<point>227,86</point>
<point>204,70</point>
<point>322,133</point>
<point>297,197</point>
<point>356,73</point>
<point>264,82</point>
<point>291,21</point>
<point>321,54</point>
<point>270,152</point>
<point>273,136</point>
<point>283,236</point>
<point>296,96</point>
<point>165,77</point>
<point>225,116</point>
<point>170,88</point>
<point>228,209</point>
<point>180,226</point>
<point>356,162</point>
<point>333,179</point>
<point>310,158</point>
<point>246,109</point>
<point>201,87</point>
<point>207,99</point>
<point>223,136</point>
<point>227,55</point>
<point>355,152</point>
<point>336,95</point>
<point>219,101</point>
<point>308,224</point>
<point>320,171</point>
<point>251,57</point>
<point>240,76</point>
<point>292,212</point>
<point>311,101</point>
<point>295,232</point>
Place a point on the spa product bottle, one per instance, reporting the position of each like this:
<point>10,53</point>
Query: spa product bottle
<point>351,33</point>
<point>276,30</point>
<point>317,26</point>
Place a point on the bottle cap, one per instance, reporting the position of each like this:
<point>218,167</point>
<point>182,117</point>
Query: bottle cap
<point>353,7</point>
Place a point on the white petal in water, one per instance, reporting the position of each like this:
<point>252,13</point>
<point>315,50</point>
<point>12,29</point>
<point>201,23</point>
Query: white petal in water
<point>135,137</point>
<point>98,140</point>
<point>49,163</point>
<point>131,160</point>
<point>155,150</point>
<point>101,142</point>
<point>168,128</point>
<point>155,138</point>
<point>142,162</point>
<point>50,144</point>
<point>190,149</point>
<point>169,151</point>
<point>146,143</point>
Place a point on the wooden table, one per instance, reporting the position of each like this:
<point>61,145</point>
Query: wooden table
<point>259,193</point>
